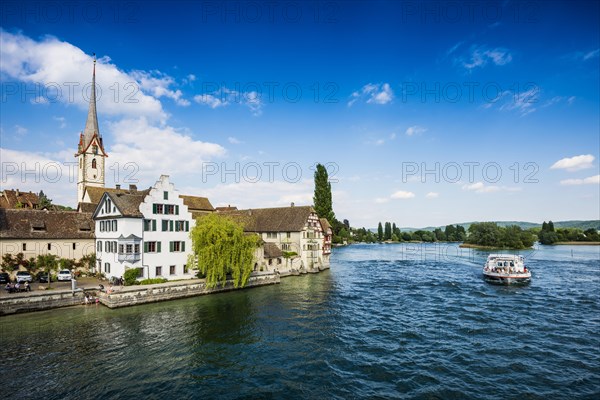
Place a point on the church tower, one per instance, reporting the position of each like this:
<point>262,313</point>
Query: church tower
<point>90,151</point>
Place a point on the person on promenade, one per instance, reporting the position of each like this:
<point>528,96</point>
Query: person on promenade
<point>27,287</point>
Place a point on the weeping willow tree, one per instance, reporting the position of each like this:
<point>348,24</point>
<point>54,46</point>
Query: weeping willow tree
<point>221,248</point>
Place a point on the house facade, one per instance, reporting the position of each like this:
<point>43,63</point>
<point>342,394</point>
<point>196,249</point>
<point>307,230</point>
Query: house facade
<point>146,230</point>
<point>65,234</point>
<point>293,237</point>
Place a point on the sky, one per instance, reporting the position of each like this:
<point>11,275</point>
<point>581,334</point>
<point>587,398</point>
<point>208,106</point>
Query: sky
<point>424,113</point>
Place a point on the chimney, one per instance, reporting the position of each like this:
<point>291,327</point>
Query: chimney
<point>118,187</point>
<point>132,187</point>
<point>292,204</point>
<point>17,192</point>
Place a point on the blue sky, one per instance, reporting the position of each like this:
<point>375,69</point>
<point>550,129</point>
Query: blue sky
<point>499,101</point>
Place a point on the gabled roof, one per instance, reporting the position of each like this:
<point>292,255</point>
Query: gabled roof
<point>43,224</point>
<point>272,250</point>
<point>10,199</point>
<point>197,203</point>
<point>228,208</point>
<point>128,204</point>
<point>325,224</point>
<point>95,193</point>
<point>281,219</point>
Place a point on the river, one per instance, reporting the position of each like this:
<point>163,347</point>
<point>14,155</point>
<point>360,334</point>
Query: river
<point>387,321</point>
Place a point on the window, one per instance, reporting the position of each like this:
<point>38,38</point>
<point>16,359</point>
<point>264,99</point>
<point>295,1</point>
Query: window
<point>159,209</point>
<point>285,247</point>
<point>165,225</point>
<point>169,209</point>
<point>121,249</point>
<point>74,245</point>
<point>107,268</point>
<point>114,226</point>
<point>99,246</point>
<point>270,261</point>
<point>129,248</point>
<point>151,247</point>
<point>289,235</point>
<point>158,271</point>
<point>179,226</point>
<point>95,149</point>
<point>147,225</point>
<point>172,270</point>
<point>176,246</point>
<point>136,248</point>
<point>185,269</point>
<point>166,195</point>
<point>106,247</point>
<point>49,246</point>
<point>101,226</point>
<point>24,247</point>
<point>271,235</point>
<point>94,163</point>
<point>279,261</point>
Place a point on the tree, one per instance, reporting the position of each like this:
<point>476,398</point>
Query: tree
<point>220,247</point>
<point>450,233</point>
<point>322,196</point>
<point>347,224</point>
<point>47,263</point>
<point>439,234</point>
<point>45,202</point>
<point>387,235</point>
<point>380,232</point>
<point>550,226</point>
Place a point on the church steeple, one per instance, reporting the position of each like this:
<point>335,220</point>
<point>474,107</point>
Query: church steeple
<point>91,124</point>
<point>90,152</point>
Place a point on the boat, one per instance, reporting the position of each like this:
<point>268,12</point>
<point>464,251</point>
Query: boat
<point>506,269</point>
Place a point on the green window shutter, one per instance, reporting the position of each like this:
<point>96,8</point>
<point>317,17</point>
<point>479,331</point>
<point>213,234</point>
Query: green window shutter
<point>165,225</point>
<point>171,225</point>
<point>187,226</point>
<point>171,245</point>
<point>177,210</point>
<point>154,225</point>
<point>182,246</point>
<point>145,247</point>
<point>153,208</point>
<point>158,247</point>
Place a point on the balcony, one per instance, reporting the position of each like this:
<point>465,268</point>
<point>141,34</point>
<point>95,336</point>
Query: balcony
<point>130,257</point>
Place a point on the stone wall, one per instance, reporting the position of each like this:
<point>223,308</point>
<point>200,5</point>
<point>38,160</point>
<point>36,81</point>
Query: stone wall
<point>134,295</point>
<point>27,302</point>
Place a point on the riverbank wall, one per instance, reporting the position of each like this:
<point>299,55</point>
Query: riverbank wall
<point>134,295</point>
<point>122,296</point>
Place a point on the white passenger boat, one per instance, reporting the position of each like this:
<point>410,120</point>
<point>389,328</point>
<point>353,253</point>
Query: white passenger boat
<point>506,269</point>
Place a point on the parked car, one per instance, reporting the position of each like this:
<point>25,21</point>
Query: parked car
<point>4,277</point>
<point>23,276</point>
<point>64,275</point>
<point>42,277</point>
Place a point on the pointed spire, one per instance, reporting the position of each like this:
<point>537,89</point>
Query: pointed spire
<point>91,124</point>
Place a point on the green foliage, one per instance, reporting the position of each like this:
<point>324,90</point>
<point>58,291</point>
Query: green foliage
<point>130,276</point>
<point>548,235</point>
<point>88,261</point>
<point>152,281</point>
<point>379,232</point>
<point>221,248</point>
<point>8,262</point>
<point>322,197</point>
<point>364,235</point>
<point>289,254</point>
<point>491,235</point>
<point>387,234</point>
<point>45,202</point>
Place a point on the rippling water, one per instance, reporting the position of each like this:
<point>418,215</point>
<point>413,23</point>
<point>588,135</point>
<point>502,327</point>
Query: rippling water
<point>386,321</point>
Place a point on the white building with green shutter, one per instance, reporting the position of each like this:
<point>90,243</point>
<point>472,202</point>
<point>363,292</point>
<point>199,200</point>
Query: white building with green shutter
<point>144,229</point>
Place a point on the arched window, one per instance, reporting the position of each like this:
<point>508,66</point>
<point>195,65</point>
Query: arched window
<point>94,163</point>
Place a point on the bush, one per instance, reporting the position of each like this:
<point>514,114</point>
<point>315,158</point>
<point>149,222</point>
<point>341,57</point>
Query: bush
<point>152,281</point>
<point>130,276</point>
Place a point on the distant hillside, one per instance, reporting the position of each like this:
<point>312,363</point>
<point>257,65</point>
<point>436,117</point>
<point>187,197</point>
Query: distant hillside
<point>583,225</point>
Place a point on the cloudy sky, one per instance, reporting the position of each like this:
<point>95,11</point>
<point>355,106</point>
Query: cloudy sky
<point>424,113</point>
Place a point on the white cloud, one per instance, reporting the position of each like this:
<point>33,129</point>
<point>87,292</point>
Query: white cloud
<point>415,130</point>
<point>432,195</point>
<point>373,93</point>
<point>62,120</point>
<point>392,136</point>
<point>233,140</point>
<point>158,84</point>
<point>66,72</point>
<point>592,180</point>
<point>576,163</point>
<point>156,150</point>
<point>591,54</point>
<point>224,97</point>
<point>480,187</point>
<point>381,200</point>
<point>401,194</point>
<point>480,56</point>
<point>19,130</point>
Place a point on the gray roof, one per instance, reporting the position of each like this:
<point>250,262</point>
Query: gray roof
<point>197,203</point>
<point>272,250</point>
<point>43,224</point>
<point>280,219</point>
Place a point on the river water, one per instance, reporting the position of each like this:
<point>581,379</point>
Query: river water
<point>387,321</point>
